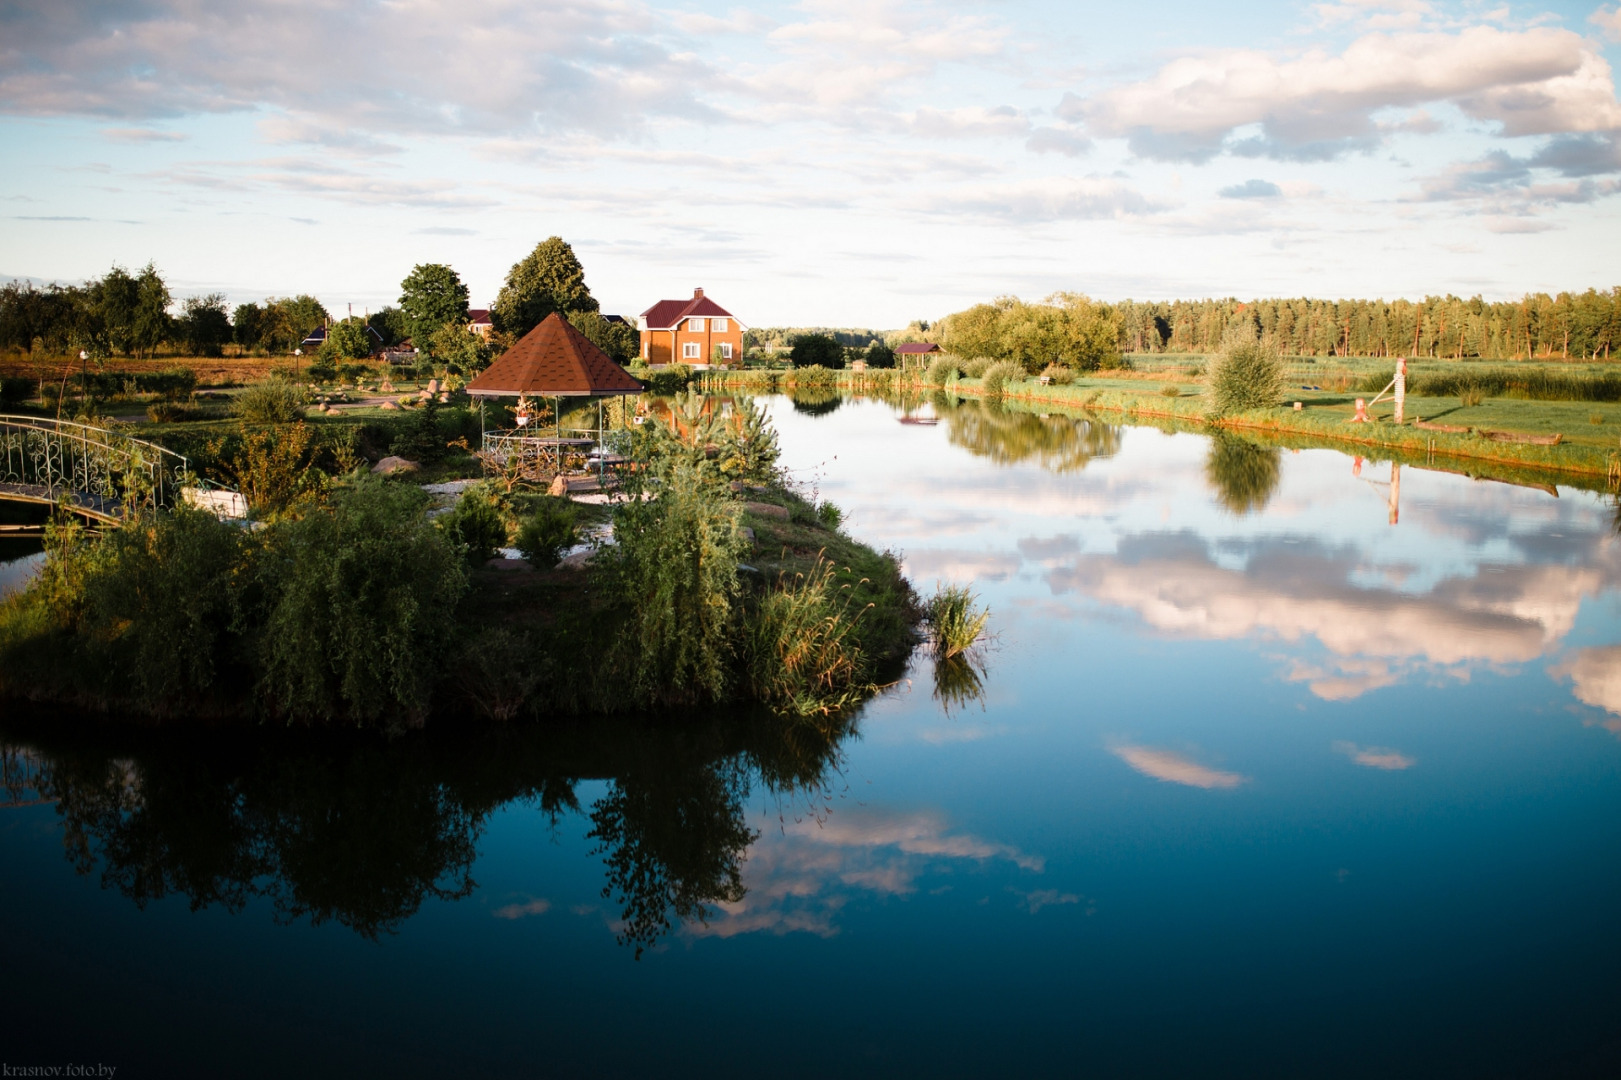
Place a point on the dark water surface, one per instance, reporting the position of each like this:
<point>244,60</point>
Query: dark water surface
<point>1254,782</point>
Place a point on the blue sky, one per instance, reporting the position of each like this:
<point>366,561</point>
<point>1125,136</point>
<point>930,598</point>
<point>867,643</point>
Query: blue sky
<point>826,162</point>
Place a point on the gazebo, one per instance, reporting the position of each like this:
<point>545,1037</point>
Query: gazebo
<point>553,360</point>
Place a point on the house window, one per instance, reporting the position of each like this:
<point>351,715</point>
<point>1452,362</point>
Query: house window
<point>718,325</point>
<point>726,350</point>
<point>689,351</point>
<point>695,325</point>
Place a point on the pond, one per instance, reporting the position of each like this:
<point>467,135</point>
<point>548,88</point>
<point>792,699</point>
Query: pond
<point>1280,763</point>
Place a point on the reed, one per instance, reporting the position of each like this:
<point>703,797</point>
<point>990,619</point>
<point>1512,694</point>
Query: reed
<point>956,620</point>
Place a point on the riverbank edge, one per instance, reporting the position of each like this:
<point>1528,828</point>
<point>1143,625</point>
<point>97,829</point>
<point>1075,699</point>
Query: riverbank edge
<point>1573,459</point>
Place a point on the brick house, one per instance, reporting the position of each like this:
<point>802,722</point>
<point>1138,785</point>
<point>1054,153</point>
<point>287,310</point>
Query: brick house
<point>698,332</point>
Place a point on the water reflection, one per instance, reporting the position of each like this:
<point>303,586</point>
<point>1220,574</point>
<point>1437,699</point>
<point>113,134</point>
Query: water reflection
<point>363,833</point>
<point>1011,436</point>
<point>1243,474</point>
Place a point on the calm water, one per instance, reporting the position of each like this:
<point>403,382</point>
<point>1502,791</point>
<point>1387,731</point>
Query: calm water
<point>1254,782</point>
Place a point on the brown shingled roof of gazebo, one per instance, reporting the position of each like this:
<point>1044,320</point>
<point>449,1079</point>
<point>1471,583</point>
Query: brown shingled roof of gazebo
<point>554,360</point>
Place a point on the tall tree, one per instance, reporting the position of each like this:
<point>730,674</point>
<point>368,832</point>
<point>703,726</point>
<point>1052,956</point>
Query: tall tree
<point>550,279</point>
<point>619,340</point>
<point>203,325</point>
<point>432,296</point>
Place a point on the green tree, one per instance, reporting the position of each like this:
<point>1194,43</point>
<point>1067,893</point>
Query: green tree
<point>821,350</point>
<point>459,349</point>
<point>349,339</point>
<point>619,340</point>
<point>432,296</point>
<point>247,324</point>
<point>550,279</point>
<point>203,326</point>
<point>880,355</point>
<point>391,325</point>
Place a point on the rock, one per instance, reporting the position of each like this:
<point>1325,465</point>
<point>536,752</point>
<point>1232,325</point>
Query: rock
<point>559,485</point>
<point>501,562</point>
<point>748,533</point>
<point>576,561</point>
<point>434,386</point>
<point>759,509</point>
<point>390,406</point>
<point>392,464</point>
<point>444,399</point>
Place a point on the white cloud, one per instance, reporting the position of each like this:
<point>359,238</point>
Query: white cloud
<point>1596,675</point>
<point>1315,105</point>
<point>1608,21</point>
<point>142,135</point>
<point>1375,757</point>
<point>1175,768</point>
<point>519,911</point>
<point>1049,199</point>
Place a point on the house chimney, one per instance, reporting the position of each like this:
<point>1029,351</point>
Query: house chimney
<point>697,294</point>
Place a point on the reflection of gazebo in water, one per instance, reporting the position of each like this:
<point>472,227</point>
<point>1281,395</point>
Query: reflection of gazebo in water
<point>554,360</point>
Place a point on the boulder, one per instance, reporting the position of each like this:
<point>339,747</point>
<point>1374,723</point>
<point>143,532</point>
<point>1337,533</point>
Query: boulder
<point>434,386</point>
<point>576,561</point>
<point>392,465</point>
<point>390,406</point>
<point>501,562</point>
<point>770,510</point>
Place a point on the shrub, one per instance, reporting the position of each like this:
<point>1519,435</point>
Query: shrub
<point>999,375</point>
<point>942,371</point>
<point>274,468</point>
<point>360,602</point>
<point>668,380</point>
<point>1245,375</point>
<point>880,355</point>
<point>1470,396</point>
<point>1171,390</point>
<point>829,514</point>
<point>546,532</point>
<point>273,401</point>
<point>674,569</point>
<point>354,372</point>
<point>956,620</point>
<point>170,412</point>
<point>321,371</point>
<point>977,366</point>
<point>1060,374</point>
<point>477,524</point>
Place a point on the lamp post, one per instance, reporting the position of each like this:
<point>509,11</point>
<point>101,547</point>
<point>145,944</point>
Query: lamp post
<point>84,374</point>
<point>296,354</point>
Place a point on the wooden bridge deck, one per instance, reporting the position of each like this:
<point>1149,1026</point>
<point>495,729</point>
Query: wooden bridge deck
<point>94,506</point>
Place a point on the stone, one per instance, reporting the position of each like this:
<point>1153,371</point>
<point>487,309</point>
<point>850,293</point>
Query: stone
<point>748,533</point>
<point>501,562</point>
<point>770,510</point>
<point>390,406</point>
<point>434,386</point>
<point>444,399</point>
<point>392,464</point>
<point>559,485</point>
<point>576,561</point>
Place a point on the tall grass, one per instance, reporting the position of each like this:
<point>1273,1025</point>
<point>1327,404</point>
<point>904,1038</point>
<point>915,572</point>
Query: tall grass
<point>801,652</point>
<point>272,401</point>
<point>1534,384</point>
<point>942,371</point>
<point>956,620</point>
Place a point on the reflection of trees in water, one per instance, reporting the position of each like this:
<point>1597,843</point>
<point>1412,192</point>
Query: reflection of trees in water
<point>1009,437</point>
<point>363,833</point>
<point>815,401</point>
<point>1242,474</point>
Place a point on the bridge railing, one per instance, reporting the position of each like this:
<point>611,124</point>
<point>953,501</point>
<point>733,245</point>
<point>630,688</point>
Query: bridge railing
<point>107,473</point>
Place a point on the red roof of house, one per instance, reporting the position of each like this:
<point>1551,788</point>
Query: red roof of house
<point>478,315</point>
<point>914,347</point>
<point>553,360</point>
<point>667,314</point>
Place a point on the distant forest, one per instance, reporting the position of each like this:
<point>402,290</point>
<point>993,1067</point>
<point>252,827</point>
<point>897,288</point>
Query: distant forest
<point>1566,326</point>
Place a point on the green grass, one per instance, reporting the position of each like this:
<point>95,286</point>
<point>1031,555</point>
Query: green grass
<point>956,620</point>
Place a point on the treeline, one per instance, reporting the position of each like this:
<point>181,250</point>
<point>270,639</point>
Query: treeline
<point>1569,326</point>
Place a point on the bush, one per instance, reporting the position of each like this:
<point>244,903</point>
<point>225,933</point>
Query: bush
<point>667,380</point>
<point>977,366</point>
<point>544,534</point>
<point>942,371</point>
<point>274,468</point>
<point>360,602</point>
<point>354,372</point>
<point>170,412</point>
<point>818,350</point>
<point>1245,375</point>
<point>158,605</point>
<point>829,515</point>
<point>1060,374</point>
<point>321,371</point>
<point>478,524</point>
<point>1171,390</point>
<point>999,375</point>
<point>674,569</point>
<point>1243,474</point>
<point>273,401</point>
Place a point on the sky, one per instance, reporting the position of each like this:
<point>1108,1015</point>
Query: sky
<point>829,162</point>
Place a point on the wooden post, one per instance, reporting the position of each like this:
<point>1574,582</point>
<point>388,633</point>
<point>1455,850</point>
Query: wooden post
<point>1395,493</point>
<point>1401,388</point>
